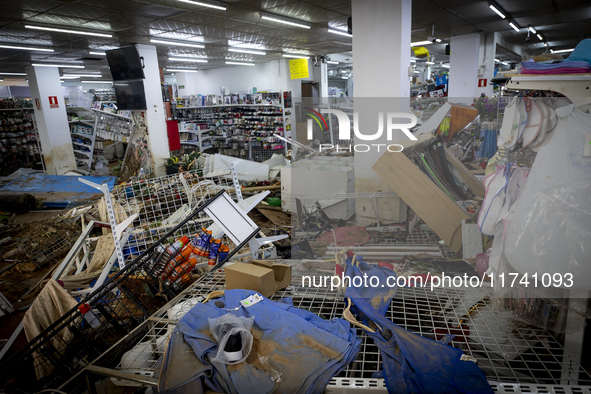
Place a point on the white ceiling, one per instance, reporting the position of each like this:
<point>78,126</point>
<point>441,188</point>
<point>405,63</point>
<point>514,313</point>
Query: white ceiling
<point>563,23</point>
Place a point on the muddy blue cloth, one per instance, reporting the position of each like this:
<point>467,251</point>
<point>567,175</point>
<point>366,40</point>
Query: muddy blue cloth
<point>305,349</point>
<point>411,363</point>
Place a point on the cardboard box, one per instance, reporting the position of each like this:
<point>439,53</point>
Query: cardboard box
<point>261,276</point>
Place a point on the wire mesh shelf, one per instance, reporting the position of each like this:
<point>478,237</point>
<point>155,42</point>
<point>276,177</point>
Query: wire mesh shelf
<point>509,352</point>
<point>161,203</point>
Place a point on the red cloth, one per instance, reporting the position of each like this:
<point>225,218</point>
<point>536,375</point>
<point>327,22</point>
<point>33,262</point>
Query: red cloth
<point>346,236</point>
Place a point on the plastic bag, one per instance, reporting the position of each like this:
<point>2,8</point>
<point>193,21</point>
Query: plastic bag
<point>233,336</point>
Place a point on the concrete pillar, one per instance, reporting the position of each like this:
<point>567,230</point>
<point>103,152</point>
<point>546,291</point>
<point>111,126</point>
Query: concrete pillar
<point>487,56</point>
<point>155,113</point>
<point>463,68</point>
<point>381,58</point>
<point>323,82</point>
<point>52,121</point>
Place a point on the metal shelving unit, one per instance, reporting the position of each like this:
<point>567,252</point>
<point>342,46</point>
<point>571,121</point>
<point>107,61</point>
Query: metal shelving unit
<point>515,357</point>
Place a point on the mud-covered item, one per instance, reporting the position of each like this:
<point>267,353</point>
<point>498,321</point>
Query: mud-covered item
<point>412,364</point>
<point>233,336</point>
<point>294,351</point>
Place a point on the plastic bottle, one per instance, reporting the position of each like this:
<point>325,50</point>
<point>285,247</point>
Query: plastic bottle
<point>214,247</point>
<point>164,259</point>
<point>178,245</point>
<point>183,256</point>
<point>182,273</point>
<point>223,252</point>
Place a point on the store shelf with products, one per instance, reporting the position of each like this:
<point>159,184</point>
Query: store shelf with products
<point>236,124</point>
<point>19,141</point>
<point>82,122</point>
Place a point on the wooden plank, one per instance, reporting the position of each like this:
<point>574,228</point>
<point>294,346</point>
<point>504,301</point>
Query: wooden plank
<point>423,196</point>
<point>473,183</point>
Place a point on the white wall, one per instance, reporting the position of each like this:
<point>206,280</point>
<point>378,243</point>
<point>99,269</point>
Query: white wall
<point>273,76</point>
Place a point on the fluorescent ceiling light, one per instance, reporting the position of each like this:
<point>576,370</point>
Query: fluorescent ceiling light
<point>13,73</point>
<point>545,44</point>
<point>505,63</point>
<point>56,65</point>
<point>181,70</point>
<point>295,56</point>
<point>445,65</point>
<point>532,29</point>
<point>176,43</point>
<point>344,71</point>
<point>340,32</point>
<point>332,62</point>
<point>540,37</point>
<point>417,72</point>
<point>69,77</point>
<point>438,39</point>
<point>187,55</point>
<point>203,4</point>
<point>345,77</point>
<point>84,33</point>
<point>81,76</point>
<point>563,50</point>
<point>413,61</point>
<point>240,63</point>
<point>251,51</point>
<point>429,62</point>
<point>191,60</point>
<point>96,81</point>
<point>497,60</point>
<point>514,26</point>
<point>426,42</point>
<point>25,48</point>
<point>498,12</point>
<point>98,53</point>
<point>286,22</point>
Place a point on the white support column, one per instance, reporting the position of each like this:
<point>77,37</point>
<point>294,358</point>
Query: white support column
<point>52,121</point>
<point>486,57</point>
<point>381,58</point>
<point>323,83</point>
<point>155,113</point>
<point>463,68</point>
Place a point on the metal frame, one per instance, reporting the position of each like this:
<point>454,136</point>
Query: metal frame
<point>515,357</point>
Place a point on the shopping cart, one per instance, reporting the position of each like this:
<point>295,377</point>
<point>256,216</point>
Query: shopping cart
<point>107,315</point>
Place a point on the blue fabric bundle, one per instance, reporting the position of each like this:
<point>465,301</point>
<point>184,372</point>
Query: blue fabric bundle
<point>305,349</point>
<point>411,363</point>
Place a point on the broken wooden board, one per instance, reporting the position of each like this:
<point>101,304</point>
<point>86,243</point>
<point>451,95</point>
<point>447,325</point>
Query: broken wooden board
<point>423,196</point>
<point>473,183</point>
<point>278,218</point>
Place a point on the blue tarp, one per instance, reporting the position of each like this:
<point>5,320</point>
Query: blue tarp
<point>411,363</point>
<point>58,191</point>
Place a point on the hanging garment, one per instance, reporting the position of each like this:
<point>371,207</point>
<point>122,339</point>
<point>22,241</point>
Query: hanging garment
<point>534,122</point>
<point>550,227</point>
<point>412,364</point>
<point>514,189</point>
<point>548,124</point>
<point>294,351</point>
<point>494,198</point>
<point>514,122</point>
